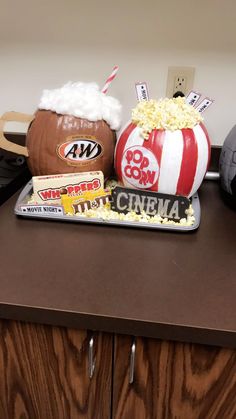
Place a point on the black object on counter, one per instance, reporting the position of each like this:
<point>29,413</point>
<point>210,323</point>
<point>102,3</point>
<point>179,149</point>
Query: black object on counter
<point>13,174</point>
<point>227,168</point>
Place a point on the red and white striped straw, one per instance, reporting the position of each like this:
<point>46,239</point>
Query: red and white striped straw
<point>110,79</point>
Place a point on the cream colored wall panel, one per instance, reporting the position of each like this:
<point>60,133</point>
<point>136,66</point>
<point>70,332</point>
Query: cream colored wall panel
<point>204,24</point>
<point>44,44</point>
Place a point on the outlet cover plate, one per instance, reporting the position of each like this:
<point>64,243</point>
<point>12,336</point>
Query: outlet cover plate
<point>179,79</point>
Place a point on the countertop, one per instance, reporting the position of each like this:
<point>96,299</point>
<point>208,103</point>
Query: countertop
<point>151,283</point>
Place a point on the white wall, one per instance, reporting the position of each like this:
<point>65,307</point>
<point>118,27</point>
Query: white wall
<point>45,43</point>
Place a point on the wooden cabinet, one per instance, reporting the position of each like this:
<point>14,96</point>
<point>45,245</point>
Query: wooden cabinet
<point>45,374</point>
<point>173,381</point>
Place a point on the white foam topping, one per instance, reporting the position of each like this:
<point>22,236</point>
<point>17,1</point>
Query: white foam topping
<point>83,100</point>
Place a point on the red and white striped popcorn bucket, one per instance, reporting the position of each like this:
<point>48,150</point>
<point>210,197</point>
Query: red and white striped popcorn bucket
<point>171,162</point>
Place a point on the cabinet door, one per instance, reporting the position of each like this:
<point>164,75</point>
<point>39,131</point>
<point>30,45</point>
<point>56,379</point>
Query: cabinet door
<point>45,373</point>
<point>173,381</point>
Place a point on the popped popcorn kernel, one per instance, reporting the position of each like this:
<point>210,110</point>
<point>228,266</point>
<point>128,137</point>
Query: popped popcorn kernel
<point>190,210</point>
<point>168,114</point>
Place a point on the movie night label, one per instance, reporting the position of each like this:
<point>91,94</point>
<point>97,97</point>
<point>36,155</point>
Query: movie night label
<point>42,209</point>
<point>168,206</point>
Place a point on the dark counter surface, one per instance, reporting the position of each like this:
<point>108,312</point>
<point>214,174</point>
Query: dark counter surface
<point>160,284</point>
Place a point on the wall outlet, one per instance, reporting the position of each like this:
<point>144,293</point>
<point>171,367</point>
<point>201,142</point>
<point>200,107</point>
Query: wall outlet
<point>179,81</point>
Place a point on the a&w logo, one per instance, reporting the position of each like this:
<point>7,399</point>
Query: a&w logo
<point>79,149</point>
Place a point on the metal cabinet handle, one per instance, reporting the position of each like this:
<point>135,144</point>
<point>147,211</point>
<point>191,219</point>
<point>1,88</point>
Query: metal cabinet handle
<point>91,361</point>
<point>132,360</point>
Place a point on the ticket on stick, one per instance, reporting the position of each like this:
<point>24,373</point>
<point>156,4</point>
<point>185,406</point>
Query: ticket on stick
<point>48,189</point>
<point>142,91</point>
<point>192,98</point>
<point>204,104</point>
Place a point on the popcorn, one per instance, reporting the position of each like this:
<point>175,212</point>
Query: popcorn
<point>189,211</point>
<point>111,183</point>
<point>168,114</point>
<point>105,213</point>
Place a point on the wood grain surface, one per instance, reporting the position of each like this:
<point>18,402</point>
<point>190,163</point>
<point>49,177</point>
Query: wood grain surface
<point>174,381</point>
<point>44,373</point>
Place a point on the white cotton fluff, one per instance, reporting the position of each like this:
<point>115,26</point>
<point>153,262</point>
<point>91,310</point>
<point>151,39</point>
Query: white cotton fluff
<point>83,100</point>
